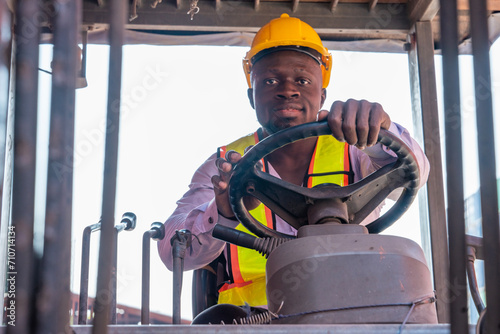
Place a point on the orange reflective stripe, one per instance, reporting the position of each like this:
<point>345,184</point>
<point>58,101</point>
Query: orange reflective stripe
<point>221,152</point>
<point>235,265</point>
<point>252,264</point>
<point>228,286</point>
<point>311,167</point>
<point>269,217</point>
<point>268,214</point>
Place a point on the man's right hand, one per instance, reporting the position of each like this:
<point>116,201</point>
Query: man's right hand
<point>221,183</point>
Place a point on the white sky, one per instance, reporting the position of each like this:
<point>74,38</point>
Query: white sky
<point>179,104</point>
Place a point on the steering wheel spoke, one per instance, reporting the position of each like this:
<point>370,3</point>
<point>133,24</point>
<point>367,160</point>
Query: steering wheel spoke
<point>283,198</point>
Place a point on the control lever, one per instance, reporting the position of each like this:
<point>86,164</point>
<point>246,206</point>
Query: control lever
<point>233,236</point>
<point>264,246</point>
<point>180,241</point>
<point>157,232</point>
<point>127,223</point>
<point>84,272</point>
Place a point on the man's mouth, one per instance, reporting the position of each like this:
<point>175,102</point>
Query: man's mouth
<point>288,110</point>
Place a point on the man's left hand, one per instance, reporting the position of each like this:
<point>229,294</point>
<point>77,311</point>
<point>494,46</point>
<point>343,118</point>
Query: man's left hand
<point>356,122</point>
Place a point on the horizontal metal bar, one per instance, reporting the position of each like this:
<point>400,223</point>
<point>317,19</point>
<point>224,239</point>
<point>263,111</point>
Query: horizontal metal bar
<point>477,244</point>
<point>241,16</point>
<point>263,329</point>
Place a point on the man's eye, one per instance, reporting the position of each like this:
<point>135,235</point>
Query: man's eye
<point>304,81</point>
<point>270,81</point>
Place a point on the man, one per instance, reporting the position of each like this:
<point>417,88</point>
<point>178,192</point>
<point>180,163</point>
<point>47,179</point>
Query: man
<point>287,70</point>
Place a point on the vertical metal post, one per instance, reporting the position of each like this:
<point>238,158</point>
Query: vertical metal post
<point>53,299</point>
<point>83,72</point>
<point>146,249</point>
<point>112,305</point>
<point>487,165</point>
<point>425,108</point>
<point>180,241</point>
<point>5,47</point>
<point>23,193</point>
<point>84,277</point>
<point>454,169</point>
<point>81,80</point>
<point>5,67</point>
<point>117,13</point>
<point>178,264</point>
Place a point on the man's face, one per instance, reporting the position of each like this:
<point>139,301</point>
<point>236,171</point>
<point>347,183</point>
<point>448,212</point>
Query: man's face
<point>287,90</point>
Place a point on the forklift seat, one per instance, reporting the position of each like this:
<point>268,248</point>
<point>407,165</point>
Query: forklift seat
<point>206,283</point>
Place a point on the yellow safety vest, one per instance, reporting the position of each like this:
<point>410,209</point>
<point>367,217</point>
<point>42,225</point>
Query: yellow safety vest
<point>329,164</point>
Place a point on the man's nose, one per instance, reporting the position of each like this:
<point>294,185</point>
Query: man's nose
<point>287,90</point>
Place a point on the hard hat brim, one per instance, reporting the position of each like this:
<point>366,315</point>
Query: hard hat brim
<point>305,50</point>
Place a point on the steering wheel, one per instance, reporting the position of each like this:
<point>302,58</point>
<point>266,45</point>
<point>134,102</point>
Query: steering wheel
<point>292,202</point>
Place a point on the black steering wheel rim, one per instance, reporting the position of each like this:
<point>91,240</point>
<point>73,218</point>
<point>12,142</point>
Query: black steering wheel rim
<point>246,171</point>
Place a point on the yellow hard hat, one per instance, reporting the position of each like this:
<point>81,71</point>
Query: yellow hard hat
<point>288,33</point>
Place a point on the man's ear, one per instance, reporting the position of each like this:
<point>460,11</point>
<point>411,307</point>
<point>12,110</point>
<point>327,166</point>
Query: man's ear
<point>323,97</point>
<point>250,97</point>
